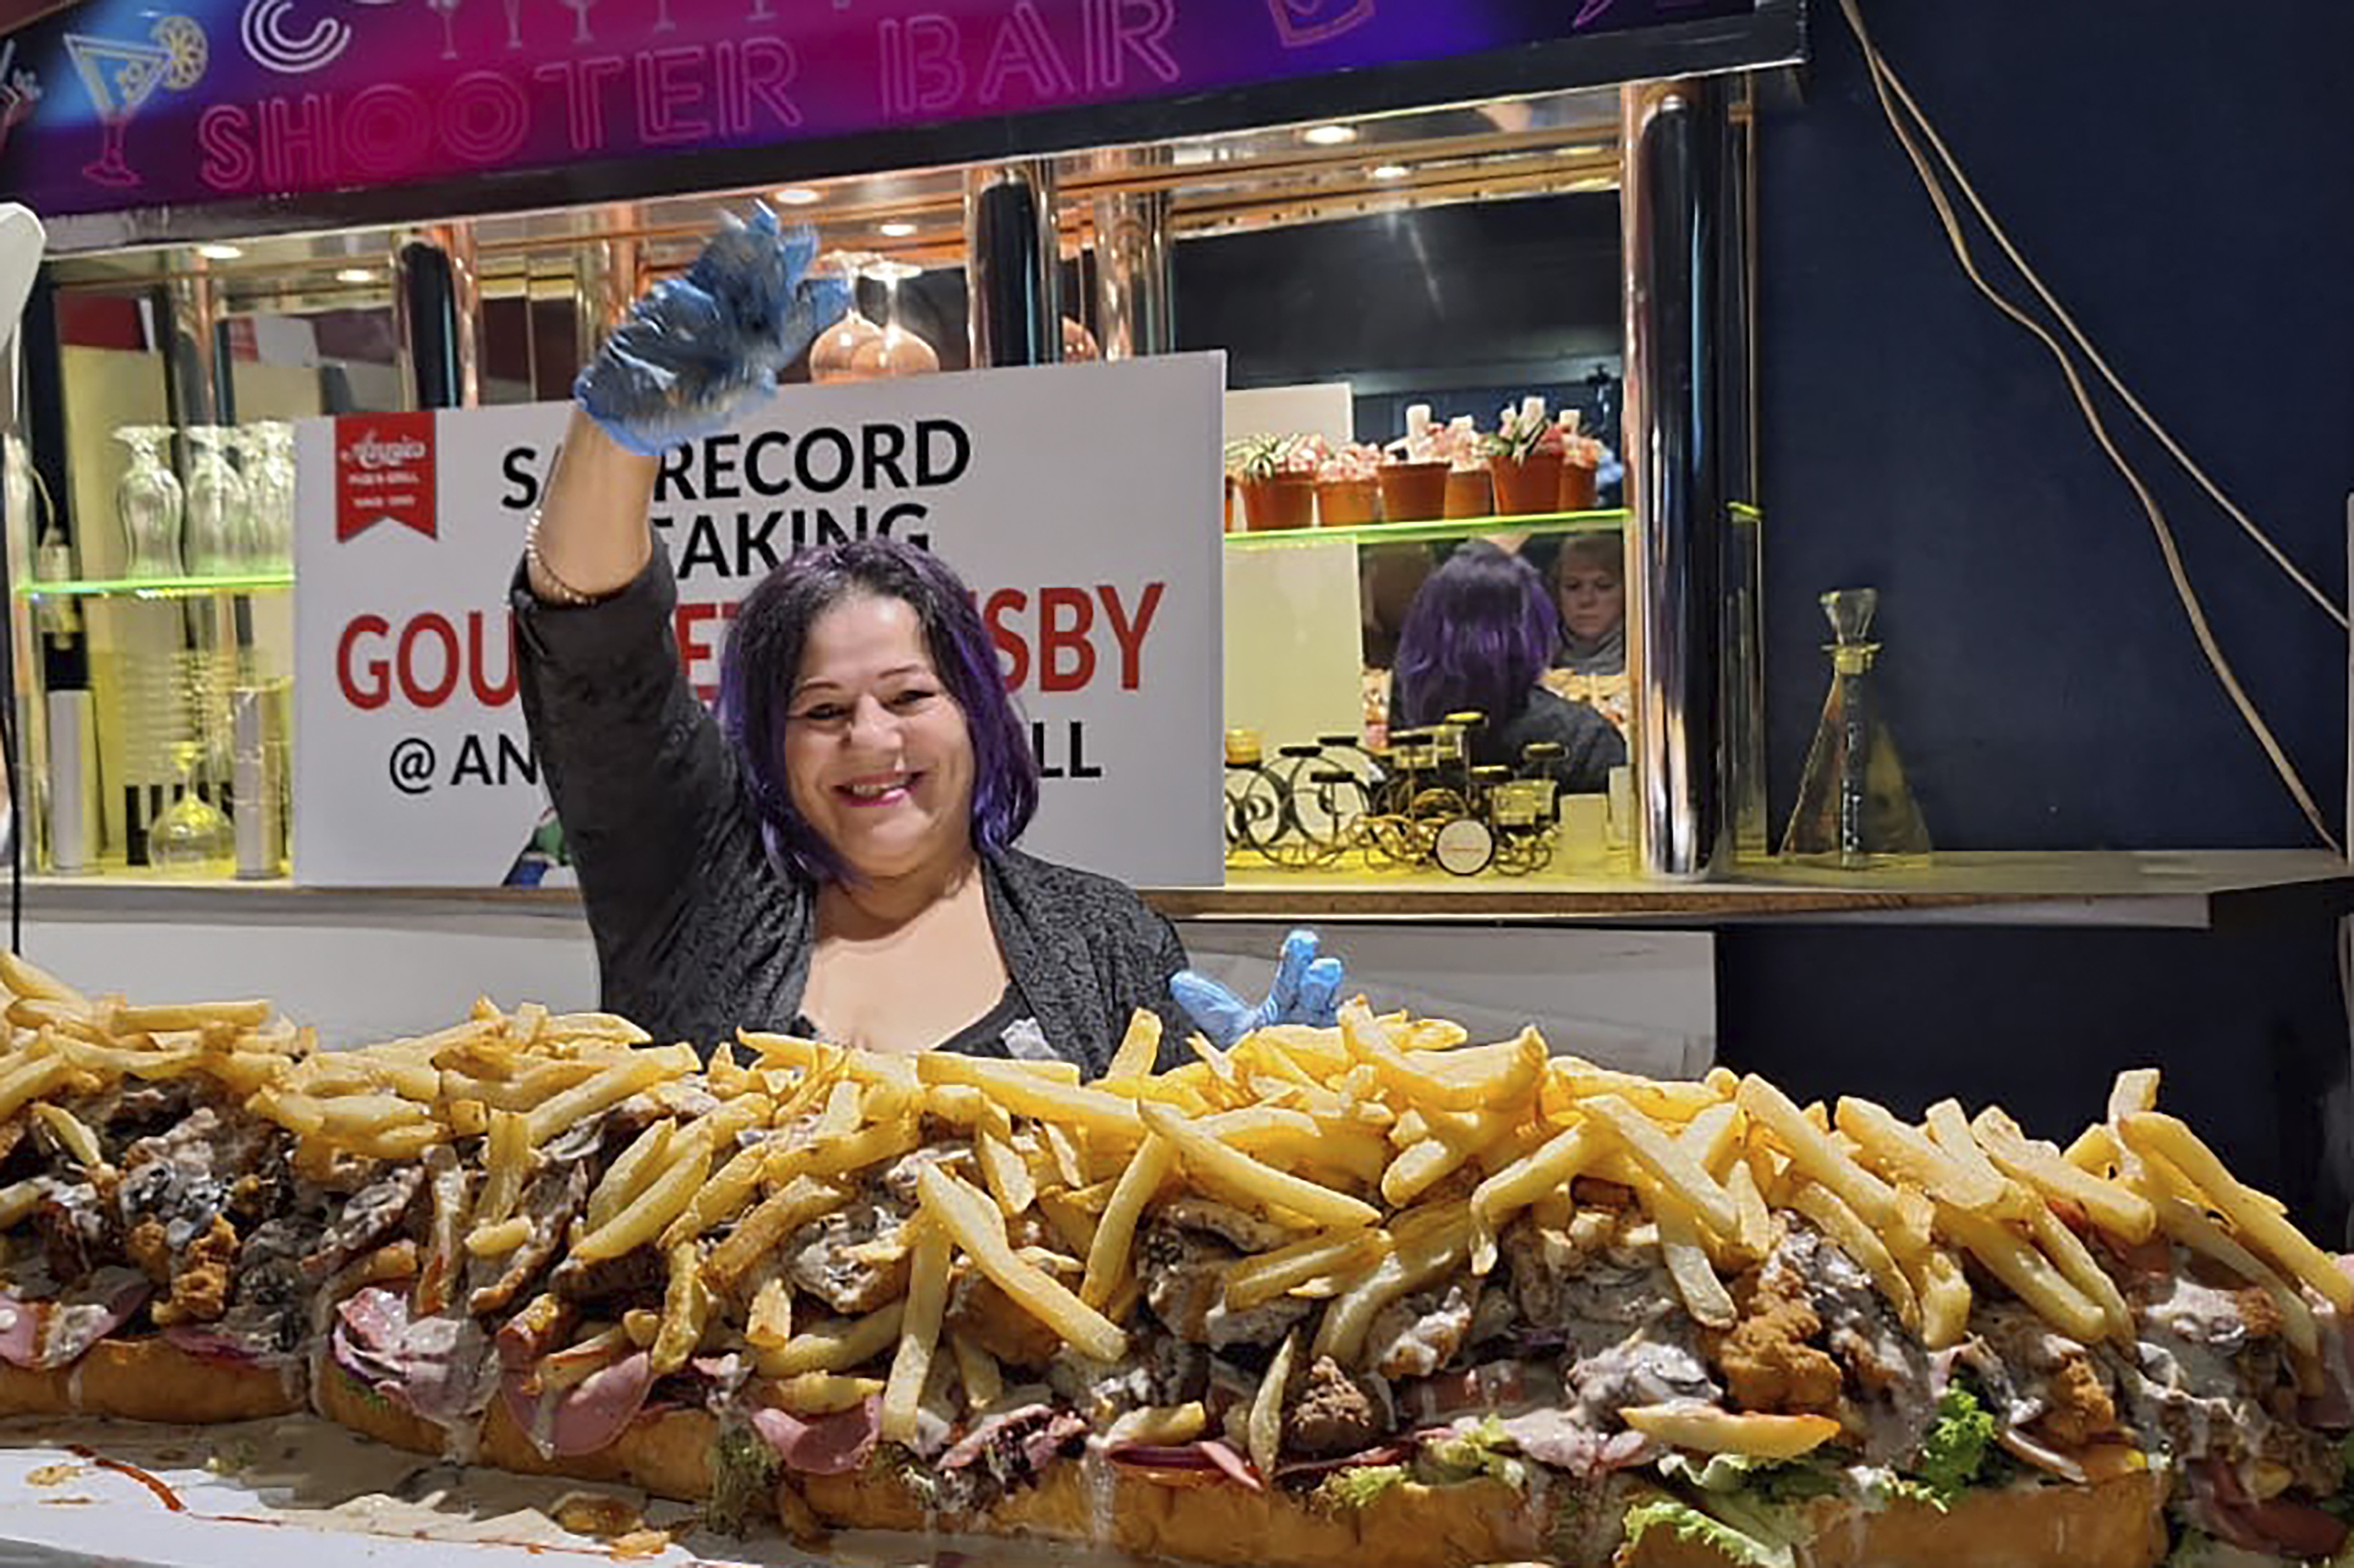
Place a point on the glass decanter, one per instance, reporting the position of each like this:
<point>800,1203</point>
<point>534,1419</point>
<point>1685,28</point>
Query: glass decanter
<point>835,355</point>
<point>148,503</point>
<point>217,504</point>
<point>1855,806</point>
<point>194,837</point>
<point>895,350</point>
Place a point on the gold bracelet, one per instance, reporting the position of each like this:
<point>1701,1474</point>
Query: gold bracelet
<point>537,571</point>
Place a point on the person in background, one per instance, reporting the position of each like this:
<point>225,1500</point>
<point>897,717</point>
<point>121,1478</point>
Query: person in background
<point>1478,638</point>
<point>1589,579</point>
<point>834,852</point>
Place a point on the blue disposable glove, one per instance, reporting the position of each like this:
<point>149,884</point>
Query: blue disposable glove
<point>698,349</point>
<point>1307,989</point>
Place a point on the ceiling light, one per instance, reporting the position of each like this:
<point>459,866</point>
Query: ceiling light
<point>798,195</point>
<point>1389,171</point>
<point>1328,135</point>
<point>356,275</point>
<point>897,228</point>
<point>220,252</point>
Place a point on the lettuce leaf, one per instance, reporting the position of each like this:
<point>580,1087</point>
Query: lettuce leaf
<point>1777,1483</point>
<point>1954,1454</point>
<point>1358,1486</point>
<point>1687,1523</point>
<point>1469,1455</point>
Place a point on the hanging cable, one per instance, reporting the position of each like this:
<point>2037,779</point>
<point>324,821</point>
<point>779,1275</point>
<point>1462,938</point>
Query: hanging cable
<point>1890,92</point>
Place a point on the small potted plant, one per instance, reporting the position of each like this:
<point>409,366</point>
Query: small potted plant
<point>1276,477</point>
<point>1470,491</point>
<point>1348,486</point>
<point>1524,458</point>
<point>1414,471</point>
<point>1581,460</point>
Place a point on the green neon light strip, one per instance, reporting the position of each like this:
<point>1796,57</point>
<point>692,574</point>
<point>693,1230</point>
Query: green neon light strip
<point>1452,528</point>
<point>157,588</point>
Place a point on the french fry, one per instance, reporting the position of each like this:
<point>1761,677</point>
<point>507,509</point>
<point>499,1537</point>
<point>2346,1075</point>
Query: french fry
<point>1949,1130</point>
<point>1230,1171</point>
<point>2256,1216</point>
<point>170,1016</point>
<point>1505,1074</point>
<point>2094,1150</point>
<point>506,1165</point>
<point>1944,1291</point>
<point>687,1311</point>
<point>632,1173</point>
<point>638,1070</point>
<point>29,1080</point>
<point>919,1331</point>
<point>28,979</point>
<point>1681,1248</point>
<point>2114,1207</point>
<point>1263,1429</point>
<point>72,1133</point>
<point>834,1343</point>
<point>19,1199</point>
<point>2077,1265</point>
<point>1570,1079</point>
<point>1024,1092</point>
<point>1848,1231</point>
<point>823,1392</point>
<point>1427,1244</point>
<point>1108,1251</point>
<point>1005,1174</point>
<point>1140,1047</point>
<point>526,1091</point>
<point>730,1189</point>
<point>1522,1181</point>
<point>1755,1236</point>
<point>130,1062</point>
<point>977,1371</point>
<point>2011,1258</point>
<point>1161,1423</point>
<point>1903,1153</point>
<point>977,1227</point>
<point>1412,1077</point>
<point>803,1198</point>
<point>2135,1091</point>
<point>2186,1224</point>
<point>1813,1151</point>
<point>870,1145</point>
<point>1073,1219</point>
<point>1705,1429</point>
<point>769,1320</point>
<point>663,1200</point>
<point>498,1239</point>
<point>1669,1164</point>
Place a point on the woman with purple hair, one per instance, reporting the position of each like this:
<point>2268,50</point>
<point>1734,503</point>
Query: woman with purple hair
<point>1478,637</point>
<point>833,853</point>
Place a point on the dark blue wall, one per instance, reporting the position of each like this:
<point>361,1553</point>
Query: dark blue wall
<point>2183,176</point>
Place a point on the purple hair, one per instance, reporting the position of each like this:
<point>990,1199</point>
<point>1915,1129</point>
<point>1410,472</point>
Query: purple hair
<point>1477,636</point>
<point>763,660</point>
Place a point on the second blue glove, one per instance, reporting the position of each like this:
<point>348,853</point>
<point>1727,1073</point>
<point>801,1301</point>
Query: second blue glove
<point>697,349</point>
<point>1307,989</point>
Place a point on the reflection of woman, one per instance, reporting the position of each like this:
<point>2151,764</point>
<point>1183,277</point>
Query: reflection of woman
<point>834,851</point>
<point>1590,590</point>
<point>1478,638</point>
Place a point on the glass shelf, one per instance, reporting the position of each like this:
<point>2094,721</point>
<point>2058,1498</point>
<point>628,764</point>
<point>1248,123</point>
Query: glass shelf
<point>1447,528</point>
<point>157,588</point>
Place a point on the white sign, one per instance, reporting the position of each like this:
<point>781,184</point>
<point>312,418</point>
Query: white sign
<point>1080,503</point>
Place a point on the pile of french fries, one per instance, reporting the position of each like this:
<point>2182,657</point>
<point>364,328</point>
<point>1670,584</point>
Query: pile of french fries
<point>1390,1152</point>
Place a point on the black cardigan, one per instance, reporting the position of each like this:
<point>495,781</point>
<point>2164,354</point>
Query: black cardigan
<point>698,929</point>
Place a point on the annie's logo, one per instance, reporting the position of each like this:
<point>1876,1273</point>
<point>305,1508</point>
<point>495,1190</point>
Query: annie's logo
<point>372,450</point>
<point>384,470</point>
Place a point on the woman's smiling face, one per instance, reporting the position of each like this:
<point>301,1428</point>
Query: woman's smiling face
<point>877,754</point>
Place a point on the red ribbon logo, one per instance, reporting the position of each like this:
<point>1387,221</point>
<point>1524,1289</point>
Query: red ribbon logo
<point>384,472</point>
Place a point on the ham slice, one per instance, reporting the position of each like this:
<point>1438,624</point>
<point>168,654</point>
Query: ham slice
<point>435,1366</point>
<point>1556,1437</point>
<point>833,1444</point>
<point>1207,1458</point>
<point>1384,1454</point>
<point>589,1415</point>
<point>49,1334</point>
<point>206,1345</point>
<point>2276,1527</point>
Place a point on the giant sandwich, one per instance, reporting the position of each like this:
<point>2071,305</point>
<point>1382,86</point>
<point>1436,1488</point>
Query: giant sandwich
<point>1364,1296</point>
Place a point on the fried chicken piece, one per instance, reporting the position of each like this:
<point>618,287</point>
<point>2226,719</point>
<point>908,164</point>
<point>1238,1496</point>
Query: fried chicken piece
<point>200,1287</point>
<point>2259,1311</point>
<point>2080,1408</point>
<point>149,1249</point>
<point>1766,1358</point>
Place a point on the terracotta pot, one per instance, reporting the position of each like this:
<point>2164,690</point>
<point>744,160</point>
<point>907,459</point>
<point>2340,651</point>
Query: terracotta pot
<point>1284,501</point>
<point>1576,487</point>
<point>1528,485</point>
<point>1413,491</point>
<point>1470,493</point>
<point>1347,502</point>
<point>1230,504</point>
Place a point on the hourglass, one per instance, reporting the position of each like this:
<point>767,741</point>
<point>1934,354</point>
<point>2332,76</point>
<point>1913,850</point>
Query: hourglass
<point>194,837</point>
<point>894,351</point>
<point>148,502</point>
